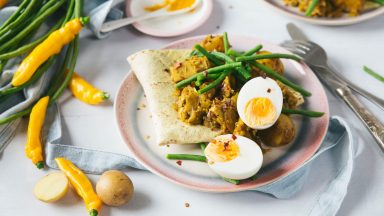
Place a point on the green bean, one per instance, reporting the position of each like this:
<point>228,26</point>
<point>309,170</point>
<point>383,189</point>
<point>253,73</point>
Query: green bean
<point>215,82</point>
<point>241,70</point>
<point>208,55</point>
<point>21,18</point>
<point>70,71</point>
<point>268,56</point>
<point>207,72</point>
<point>15,116</point>
<point>311,7</point>
<point>35,23</point>
<point>232,181</point>
<point>308,113</point>
<point>70,12</point>
<point>282,79</point>
<point>234,53</point>
<point>373,74</point>
<point>226,42</point>
<point>203,146</point>
<point>30,46</point>
<point>254,50</point>
<point>186,157</point>
<point>199,79</point>
<point>35,76</point>
<point>15,14</point>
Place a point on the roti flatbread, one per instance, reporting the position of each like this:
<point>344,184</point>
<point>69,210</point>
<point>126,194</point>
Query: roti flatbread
<point>151,69</point>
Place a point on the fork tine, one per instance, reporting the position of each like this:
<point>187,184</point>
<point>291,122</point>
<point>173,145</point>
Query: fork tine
<point>299,50</point>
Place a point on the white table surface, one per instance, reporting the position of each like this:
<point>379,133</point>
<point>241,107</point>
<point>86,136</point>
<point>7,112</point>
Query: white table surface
<point>103,63</point>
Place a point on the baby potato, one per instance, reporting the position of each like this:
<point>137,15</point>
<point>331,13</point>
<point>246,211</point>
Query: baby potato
<point>114,188</point>
<point>280,134</point>
<point>51,187</point>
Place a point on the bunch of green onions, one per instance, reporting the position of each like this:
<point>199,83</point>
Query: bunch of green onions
<point>15,35</point>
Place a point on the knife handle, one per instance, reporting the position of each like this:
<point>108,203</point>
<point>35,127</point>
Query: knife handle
<point>375,127</point>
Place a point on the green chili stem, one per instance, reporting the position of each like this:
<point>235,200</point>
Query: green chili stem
<point>93,212</point>
<point>308,113</point>
<point>187,157</point>
<point>268,56</point>
<point>282,79</point>
<point>311,7</point>
<point>254,50</point>
<point>208,55</point>
<point>373,74</point>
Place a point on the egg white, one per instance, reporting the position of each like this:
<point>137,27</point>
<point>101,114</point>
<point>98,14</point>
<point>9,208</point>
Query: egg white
<point>245,165</point>
<point>256,88</point>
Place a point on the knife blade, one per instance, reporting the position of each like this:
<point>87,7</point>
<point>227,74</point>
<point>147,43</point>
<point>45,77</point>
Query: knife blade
<point>296,33</point>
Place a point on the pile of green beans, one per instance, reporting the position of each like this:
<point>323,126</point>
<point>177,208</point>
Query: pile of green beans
<point>238,64</point>
<point>15,35</point>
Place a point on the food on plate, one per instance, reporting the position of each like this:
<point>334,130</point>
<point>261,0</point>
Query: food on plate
<point>238,102</point>
<point>82,185</point>
<point>51,187</point>
<point>85,92</point>
<point>49,47</point>
<point>114,188</point>
<point>333,8</point>
<point>34,147</point>
<point>234,157</point>
<point>171,5</point>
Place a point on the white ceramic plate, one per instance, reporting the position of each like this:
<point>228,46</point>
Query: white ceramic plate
<point>295,13</point>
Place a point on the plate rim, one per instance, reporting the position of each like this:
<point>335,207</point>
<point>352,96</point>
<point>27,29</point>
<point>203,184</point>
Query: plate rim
<point>234,188</point>
<point>152,32</point>
<point>328,22</point>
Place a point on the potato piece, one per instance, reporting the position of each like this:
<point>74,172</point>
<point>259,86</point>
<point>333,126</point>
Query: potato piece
<point>281,133</point>
<point>114,188</point>
<point>51,187</point>
<point>213,43</point>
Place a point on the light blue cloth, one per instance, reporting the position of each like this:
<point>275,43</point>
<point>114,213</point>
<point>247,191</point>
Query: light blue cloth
<point>339,138</point>
<point>98,10</point>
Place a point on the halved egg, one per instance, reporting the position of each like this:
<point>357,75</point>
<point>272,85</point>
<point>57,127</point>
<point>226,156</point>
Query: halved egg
<point>260,102</point>
<point>234,157</point>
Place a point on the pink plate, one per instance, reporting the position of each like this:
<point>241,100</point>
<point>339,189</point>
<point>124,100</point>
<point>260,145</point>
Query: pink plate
<point>169,26</point>
<point>136,129</point>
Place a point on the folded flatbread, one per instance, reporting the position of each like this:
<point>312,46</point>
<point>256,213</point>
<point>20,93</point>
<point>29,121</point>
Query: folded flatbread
<point>151,69</point>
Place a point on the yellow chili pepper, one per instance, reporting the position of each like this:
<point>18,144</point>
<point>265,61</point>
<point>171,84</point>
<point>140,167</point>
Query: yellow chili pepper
<point>34,148</point>
<point>3,3</point>
<point>49,47</point>
<point>85,92</point>
<point>81,184</point>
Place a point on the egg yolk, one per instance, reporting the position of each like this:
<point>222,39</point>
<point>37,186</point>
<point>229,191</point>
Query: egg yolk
<point>172,5</point>
<point>259,111</point>
<point>221,150</point>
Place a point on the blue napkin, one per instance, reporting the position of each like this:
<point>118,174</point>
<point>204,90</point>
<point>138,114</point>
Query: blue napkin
<point>99,12</point>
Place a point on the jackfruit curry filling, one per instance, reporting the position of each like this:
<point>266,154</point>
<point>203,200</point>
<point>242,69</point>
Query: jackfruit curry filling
<point>209,96</point>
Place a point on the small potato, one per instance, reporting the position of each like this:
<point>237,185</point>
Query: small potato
<point>114,188</point>
<point>280,134</point>
<point>51,187</point>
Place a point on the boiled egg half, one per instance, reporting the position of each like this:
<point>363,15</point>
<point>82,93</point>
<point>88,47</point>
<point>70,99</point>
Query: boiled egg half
<point>260,102</point>
<point>234,157</point>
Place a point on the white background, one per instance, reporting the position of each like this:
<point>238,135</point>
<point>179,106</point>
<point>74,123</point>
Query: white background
<point>103,63</point>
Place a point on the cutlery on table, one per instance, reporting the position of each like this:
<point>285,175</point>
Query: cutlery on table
<point>112,25</point>
<point>316,57</point>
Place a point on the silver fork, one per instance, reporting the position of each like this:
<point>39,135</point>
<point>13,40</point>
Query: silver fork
<point>316,57</point>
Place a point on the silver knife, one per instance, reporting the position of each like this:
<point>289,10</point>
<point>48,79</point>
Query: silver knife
<point>343,88</point>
